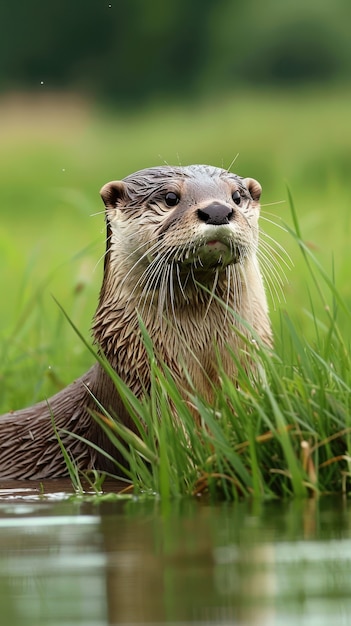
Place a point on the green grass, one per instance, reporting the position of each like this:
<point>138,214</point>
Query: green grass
<point>289,435</point>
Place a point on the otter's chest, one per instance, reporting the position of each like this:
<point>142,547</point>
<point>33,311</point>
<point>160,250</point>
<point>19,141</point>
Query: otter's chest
<point>200,348</point>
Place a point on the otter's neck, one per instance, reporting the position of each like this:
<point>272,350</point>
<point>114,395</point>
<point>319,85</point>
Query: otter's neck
<point>188,324</point>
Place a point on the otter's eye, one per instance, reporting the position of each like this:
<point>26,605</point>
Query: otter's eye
<point>236,197</point>
<point>171,198</point>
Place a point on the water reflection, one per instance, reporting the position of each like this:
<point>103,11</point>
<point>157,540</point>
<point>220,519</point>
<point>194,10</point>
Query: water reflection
<point>66,562</point>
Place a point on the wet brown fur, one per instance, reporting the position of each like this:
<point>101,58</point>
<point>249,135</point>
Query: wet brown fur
<point>157,258</point>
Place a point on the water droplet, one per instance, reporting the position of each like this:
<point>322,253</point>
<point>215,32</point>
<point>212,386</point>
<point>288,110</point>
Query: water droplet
<point>42,82</point>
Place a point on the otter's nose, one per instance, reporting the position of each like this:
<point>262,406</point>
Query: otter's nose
<point>216,213</point>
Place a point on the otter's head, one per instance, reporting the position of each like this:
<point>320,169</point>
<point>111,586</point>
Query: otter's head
<point>171,223</point>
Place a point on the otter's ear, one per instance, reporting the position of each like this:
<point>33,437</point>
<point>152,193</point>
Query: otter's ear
<point>112,193</point>
<point>253,187</point>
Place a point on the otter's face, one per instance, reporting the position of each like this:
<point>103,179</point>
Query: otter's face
<point>197,218</point>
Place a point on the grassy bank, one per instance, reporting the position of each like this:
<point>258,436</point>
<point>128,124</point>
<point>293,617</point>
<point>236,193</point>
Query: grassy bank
<point>57,154</point>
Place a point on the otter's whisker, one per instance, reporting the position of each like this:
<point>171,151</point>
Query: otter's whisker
<point>143,245</point>
<point>280,261</point>
<point>274,223</point>
<point>277,246</point>
<point>180,282</point>
<point>155,249</point>
<point>98,213</point>
<point>228,272</point>
<point>273,203</point>
<point>172,298</point>
<point>214,285</point>
<point>149,279</point>
<point>157,267</point>
<point>236,288</point>
<point>232,162</point>
<point>272,279</point>
<point>280,256</point>
<point>103,255</point>
<point>138,283</point>
<point>138,262</point>
<point>244,283</point>
<point>163,294</point>
<point>265,252</point>
<point>272,289</point>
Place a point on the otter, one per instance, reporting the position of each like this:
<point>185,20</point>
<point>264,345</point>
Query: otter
<point>181,255</point>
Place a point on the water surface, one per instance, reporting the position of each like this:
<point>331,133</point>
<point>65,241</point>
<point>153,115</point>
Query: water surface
<point>66,561</point>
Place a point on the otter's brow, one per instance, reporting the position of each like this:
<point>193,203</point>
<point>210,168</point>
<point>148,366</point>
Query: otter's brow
<point>239,186</point>
<point>160,193</point>
<point>145,196</point>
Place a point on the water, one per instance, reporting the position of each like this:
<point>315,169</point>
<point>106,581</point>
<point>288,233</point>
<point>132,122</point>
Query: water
<point>71,562</point>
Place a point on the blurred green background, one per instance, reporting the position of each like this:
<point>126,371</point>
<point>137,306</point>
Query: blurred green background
<point>92,90</point>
